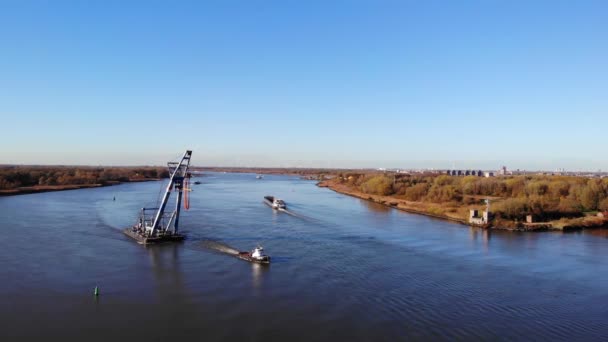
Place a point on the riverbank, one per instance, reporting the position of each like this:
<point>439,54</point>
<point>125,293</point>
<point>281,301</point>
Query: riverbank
<point>28,179</point>
<point>421,208</point>
<point>49,188</point>
<point>459,214</point>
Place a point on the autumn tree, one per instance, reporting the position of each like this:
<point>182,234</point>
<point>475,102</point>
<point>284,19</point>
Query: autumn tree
<point>378,185</point>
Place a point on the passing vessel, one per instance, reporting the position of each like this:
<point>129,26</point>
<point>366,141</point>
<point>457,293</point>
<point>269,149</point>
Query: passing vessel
<point>275,203</point>
<point>256,255</point>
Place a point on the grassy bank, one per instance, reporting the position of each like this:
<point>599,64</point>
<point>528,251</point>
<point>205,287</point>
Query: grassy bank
<point>451,213</point>
<point>557,203</point>
<point>48,188</point>
<point>45,188</point>
<point>18,180</point>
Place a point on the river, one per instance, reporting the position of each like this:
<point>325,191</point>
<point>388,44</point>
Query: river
<point>342,269</point>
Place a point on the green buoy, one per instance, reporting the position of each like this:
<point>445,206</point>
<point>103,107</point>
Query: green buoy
<point>96,292</point>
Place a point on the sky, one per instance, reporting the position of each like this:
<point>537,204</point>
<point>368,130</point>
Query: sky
<point>343,84</point>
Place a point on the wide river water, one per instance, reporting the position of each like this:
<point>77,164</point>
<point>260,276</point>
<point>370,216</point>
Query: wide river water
<point>342,269</point>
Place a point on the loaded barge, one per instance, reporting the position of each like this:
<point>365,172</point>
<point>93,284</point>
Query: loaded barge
<point>156,226</point>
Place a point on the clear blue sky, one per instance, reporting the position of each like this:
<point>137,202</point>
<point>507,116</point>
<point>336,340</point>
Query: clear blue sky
<point>306,83</point>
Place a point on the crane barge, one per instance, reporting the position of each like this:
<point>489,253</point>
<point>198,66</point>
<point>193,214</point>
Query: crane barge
<point>156,226</point>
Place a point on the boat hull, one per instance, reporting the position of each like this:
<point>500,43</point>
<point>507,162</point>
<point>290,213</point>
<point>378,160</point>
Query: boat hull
<point>269,203</point>
<point>247,257</point>
<point>269,200</point>
<point>149,240</point>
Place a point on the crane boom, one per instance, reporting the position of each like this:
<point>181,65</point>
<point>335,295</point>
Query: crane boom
<point>160,227</point>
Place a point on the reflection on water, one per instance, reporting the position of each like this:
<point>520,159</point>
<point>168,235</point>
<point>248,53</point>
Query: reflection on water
<point>376,207</point>
<point>258,272</point>
<point>480,235</point>
<point>166,267</point>
<point>603,233</point>
<point>164,256</point>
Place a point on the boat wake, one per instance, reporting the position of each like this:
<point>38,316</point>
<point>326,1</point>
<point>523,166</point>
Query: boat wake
<point>303,217</point>
<point>218,247</point>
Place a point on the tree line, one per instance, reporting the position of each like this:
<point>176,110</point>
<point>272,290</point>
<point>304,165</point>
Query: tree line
<point>13,177</point>
<point>548,197</point>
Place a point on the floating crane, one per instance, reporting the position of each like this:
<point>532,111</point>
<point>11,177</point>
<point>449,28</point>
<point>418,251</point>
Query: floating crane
<point>156,226</point>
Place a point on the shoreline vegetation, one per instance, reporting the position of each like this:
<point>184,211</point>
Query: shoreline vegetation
<point>20,180</point>
<point>551,202</point>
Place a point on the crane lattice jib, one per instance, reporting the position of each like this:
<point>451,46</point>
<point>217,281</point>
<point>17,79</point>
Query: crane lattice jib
<point>178,171</point>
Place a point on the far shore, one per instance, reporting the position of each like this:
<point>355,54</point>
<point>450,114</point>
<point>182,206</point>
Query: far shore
<point>270,170</point>
<point>48,188</point>
<point>408,206</point>
<point>424,208</point>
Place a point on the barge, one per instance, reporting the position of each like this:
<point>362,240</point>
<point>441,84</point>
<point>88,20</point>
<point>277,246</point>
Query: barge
<point>142,238</point>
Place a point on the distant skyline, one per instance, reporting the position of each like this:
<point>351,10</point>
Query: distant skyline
<point>394,84</point>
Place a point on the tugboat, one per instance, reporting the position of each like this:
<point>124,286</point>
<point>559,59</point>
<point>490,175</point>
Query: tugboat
<point>156,226</point>
<point>274,202</point>
<point>256,255</point>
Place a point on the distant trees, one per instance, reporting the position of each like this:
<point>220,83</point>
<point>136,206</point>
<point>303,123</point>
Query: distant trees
<point>417,192</point>
<point>378,185</point>
<point>12,177</point>
<point>543,196</point>
<point>512,208</point>
<point>593,193</point>
<point>603,205</point>
<point>569,206</point>
<point>445,189</point>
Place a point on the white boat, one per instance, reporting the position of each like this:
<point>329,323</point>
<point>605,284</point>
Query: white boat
<point>259,177</point>
<point>274,202</point>
<point>256,255</point>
